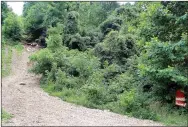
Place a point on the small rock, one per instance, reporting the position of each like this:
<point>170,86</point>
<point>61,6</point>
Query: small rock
<point>22,83</point>
<point>28,49</point>
<point>106,110</point>
<point>34,44</point>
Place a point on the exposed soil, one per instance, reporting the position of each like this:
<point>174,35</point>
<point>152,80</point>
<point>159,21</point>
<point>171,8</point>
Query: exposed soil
<point>31,106</point>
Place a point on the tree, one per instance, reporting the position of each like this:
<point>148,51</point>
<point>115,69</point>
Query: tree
<point>56,13</point>
<point>166,65</point>
<point>4,11</point>
<point>164,22</point>
<point>94,13</point>
<point>27,6</point>
<point>33,21</point>
<point>164,59</point>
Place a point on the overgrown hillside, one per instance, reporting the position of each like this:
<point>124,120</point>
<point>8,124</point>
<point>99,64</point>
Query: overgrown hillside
<point>129,59</point>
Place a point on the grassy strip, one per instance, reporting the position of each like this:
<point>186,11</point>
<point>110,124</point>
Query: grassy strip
<point>69,95</point>
<point>19,48</point>
<point>6,60</point>
<point>7,57</point>
<point>5,116</point>
<point>170,117</point>
<point>173,119</point>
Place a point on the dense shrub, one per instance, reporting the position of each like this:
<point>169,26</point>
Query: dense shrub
<point>128,12</point>
<point>43,59</point>
<point>72,23</point>
<point>116,48</point>
<point>12,27</point>
<point>96,37</point>
<point>76,41</point>
<point>55,37</point>
<point>72,63</point>
<point>113,23</point>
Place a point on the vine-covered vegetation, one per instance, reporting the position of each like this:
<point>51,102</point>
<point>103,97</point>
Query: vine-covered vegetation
<point>129,59</point>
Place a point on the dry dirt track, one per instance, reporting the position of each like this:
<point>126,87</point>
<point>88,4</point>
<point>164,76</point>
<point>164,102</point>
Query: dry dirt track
<point>31,106</point>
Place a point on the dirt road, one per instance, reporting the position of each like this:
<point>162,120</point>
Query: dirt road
<point>31,106</point>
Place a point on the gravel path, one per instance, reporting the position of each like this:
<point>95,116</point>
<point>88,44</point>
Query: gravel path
<point>31,106</point>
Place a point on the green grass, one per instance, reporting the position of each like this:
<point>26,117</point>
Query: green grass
<point>19,48</point>
<point>170,117</point>
<point>5,116</point>
<point>173,119</point>
<point>6,60</point>
<point>7,57</point>
<point>69,95</point>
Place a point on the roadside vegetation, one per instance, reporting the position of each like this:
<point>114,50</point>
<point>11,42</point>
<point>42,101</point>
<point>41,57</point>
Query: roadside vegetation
<point>129,59</point>
<point>5,116</point>
<point>11,36</point>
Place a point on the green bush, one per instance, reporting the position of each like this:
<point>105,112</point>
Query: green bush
<point>96,37</point>
<point>165,63</point>
<point>136,104</point>
<point>113,23</point>
<point>12,27</point>
<point>116,48</point>
<point>76,41</point>
<point>94,89</point>
<point>72,23</point>
<point>43,61</point>
<point>66,68</point>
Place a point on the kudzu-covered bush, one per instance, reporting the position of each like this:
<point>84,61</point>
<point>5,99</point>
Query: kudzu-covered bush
<point>76,41</point>
<point>116,48</point>
<point>96,37</point>
<point>55,37</point>
<point>112,23</point>
<point>72,23</point>
<point>127,12</point>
